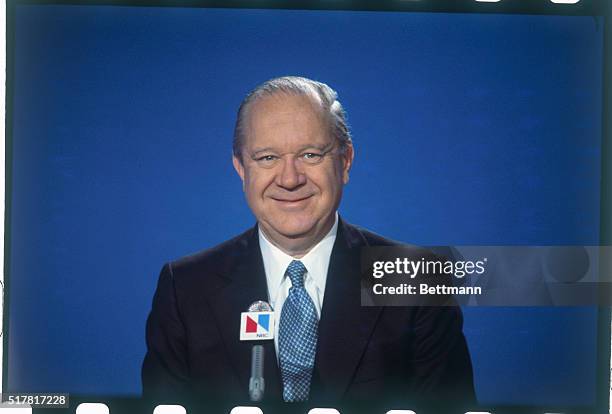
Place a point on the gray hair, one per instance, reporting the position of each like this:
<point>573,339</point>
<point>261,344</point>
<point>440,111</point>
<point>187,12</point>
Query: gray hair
<point>295,85</point>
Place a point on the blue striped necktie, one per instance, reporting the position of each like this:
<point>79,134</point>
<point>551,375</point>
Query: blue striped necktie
<point>297,337</point>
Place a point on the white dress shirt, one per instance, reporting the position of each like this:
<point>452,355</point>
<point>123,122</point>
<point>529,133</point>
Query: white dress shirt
<point>276,262</point>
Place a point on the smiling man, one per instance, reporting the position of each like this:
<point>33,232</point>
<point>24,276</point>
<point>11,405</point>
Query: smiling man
<point>292,162</point>
<point>293,152</point>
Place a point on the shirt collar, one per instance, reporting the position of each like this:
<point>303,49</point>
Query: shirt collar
<point>316,260</point>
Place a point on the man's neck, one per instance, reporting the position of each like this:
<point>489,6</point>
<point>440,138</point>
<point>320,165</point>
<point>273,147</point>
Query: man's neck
<point>300,246</point>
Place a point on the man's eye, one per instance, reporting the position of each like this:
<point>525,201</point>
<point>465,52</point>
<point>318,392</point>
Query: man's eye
<point>266,158</point>
<point>312,156</point>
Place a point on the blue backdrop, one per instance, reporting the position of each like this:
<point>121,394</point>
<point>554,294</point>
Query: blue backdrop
<point>468,129</point>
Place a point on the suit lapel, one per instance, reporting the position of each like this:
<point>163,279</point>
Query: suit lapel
<point>245,283</point>
<point>345,327</point>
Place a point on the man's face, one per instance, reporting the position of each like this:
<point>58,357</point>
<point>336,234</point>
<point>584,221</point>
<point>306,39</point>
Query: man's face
<point>292,170</point>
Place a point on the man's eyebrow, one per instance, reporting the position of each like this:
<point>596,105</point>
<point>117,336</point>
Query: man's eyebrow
<point>322,147</point>
<point>259,150</point>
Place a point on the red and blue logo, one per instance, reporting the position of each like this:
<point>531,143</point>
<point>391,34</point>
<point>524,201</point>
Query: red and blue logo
<point>256,326</point>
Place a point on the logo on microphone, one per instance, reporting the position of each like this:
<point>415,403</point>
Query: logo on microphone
<point>256,326</point>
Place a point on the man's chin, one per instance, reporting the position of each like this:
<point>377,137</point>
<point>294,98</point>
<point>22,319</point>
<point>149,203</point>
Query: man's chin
<point>295,233</point>
<point>293,230</point>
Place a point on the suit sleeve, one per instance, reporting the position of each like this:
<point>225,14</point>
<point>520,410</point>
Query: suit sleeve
<point>165,370</point>
<point>441,362</point>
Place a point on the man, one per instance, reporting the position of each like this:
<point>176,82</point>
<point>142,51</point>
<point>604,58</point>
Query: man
<point>293,152</point>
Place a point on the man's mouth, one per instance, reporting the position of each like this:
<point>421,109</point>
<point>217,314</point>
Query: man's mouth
<point>291,201</point>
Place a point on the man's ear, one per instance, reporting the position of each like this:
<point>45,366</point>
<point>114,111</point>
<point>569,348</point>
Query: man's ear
<point>347,162</point>
<point>239,168</point>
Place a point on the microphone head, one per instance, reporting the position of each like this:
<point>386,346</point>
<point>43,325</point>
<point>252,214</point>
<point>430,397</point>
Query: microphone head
<point>260,306</point>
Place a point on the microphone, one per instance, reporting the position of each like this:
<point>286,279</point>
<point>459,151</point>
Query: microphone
<point>257,384</point>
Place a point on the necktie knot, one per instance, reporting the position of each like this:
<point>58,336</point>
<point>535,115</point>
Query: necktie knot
<point>296,271</point>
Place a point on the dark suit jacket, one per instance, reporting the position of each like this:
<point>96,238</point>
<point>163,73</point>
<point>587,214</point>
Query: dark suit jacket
<point>373,353</point>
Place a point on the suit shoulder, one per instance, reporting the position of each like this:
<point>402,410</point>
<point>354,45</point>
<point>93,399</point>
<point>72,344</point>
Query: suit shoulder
<point>373,239</point>
<point>215,258</point>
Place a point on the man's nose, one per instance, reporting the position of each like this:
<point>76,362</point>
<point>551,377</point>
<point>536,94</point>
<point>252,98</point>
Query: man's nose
<point>291,174</point>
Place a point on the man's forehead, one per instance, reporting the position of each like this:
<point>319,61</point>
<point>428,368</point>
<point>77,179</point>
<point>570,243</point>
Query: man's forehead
<point>290,117</point>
